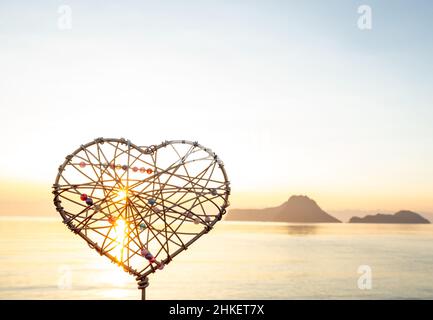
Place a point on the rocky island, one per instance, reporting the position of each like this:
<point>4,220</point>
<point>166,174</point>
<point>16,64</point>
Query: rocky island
<point>297,209</point>
<point>403,216</point>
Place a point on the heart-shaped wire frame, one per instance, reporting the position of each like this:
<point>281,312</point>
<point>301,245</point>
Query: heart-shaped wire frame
<point>141,206</point>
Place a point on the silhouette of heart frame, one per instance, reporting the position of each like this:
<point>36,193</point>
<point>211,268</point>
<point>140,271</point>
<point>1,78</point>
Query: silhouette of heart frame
<point>141,206</point>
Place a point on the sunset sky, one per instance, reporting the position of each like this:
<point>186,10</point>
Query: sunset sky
<point>292,95</point>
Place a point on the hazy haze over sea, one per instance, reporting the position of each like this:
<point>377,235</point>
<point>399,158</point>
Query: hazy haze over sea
<point>41,259</point>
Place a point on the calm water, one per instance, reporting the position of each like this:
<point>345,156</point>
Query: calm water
<point>40,259</point>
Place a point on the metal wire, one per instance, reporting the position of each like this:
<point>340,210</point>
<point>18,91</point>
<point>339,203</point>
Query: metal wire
<point>141,206</point>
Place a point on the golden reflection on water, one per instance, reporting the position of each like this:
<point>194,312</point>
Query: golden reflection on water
<point>302,229</point>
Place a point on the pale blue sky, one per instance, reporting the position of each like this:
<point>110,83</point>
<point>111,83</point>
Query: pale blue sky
<point>291,94</point>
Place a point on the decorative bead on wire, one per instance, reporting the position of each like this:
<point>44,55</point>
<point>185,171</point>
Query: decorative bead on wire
<point>84,197</point>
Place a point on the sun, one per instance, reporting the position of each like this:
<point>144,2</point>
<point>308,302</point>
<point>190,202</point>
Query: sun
<point>122,196</point>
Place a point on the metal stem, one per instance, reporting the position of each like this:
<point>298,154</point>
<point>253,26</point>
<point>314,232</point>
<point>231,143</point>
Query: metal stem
<point>142,285</point>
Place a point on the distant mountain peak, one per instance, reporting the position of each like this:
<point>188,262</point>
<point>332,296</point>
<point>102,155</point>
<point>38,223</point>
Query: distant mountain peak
<point>300,198</point>
<point>402,213</point>
<point>298,208</point>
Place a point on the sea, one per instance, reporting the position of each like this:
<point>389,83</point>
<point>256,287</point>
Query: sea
<point>41,259</point>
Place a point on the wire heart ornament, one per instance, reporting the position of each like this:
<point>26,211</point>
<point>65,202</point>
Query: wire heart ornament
<point>141,206</point>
